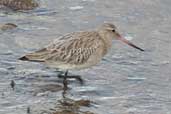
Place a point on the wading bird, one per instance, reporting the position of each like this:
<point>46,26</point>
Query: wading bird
<point>78,50</point>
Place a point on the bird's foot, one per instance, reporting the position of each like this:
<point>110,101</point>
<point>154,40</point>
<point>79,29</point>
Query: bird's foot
<point>77,77</point>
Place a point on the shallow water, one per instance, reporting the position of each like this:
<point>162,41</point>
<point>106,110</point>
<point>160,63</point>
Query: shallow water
<point>126,81</point>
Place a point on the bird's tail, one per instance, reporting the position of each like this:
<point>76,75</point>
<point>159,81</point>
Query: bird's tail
<point>24,58</point>
<point>38,56</point>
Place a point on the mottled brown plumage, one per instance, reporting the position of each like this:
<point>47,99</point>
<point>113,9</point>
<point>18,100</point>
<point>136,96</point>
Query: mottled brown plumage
<point>78,50</point>
<point>19,4</point>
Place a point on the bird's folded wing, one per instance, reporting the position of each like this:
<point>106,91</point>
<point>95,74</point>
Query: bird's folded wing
<point>75,48</point>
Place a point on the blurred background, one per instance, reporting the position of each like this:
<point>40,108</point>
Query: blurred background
<point>127,81</point>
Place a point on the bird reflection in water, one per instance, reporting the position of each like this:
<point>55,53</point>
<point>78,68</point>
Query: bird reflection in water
<point>67,105</point>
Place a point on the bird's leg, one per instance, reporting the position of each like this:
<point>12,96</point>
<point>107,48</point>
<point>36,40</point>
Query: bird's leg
<point>65,81</point>
<point>77,77</point>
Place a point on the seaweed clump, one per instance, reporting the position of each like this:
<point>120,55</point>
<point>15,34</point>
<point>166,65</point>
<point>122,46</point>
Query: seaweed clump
<point>69,106</point>
<point>7,26</point>
<point>19,4</point>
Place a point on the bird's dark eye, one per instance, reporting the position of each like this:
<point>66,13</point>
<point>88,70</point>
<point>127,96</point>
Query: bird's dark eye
<point>113,30</point>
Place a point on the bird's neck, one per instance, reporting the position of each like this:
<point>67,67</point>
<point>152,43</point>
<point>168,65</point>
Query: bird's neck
<point>107,39</point>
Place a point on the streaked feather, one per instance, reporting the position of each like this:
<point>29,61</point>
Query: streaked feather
<point>74,48</point>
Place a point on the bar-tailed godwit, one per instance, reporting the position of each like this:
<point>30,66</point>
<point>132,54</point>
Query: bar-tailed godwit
<point>78,50</point>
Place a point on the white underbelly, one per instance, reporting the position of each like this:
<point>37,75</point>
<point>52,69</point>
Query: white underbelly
<point>66,66</point>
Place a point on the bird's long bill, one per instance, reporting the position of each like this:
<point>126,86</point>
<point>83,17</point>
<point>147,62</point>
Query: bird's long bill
<point>128,42</point>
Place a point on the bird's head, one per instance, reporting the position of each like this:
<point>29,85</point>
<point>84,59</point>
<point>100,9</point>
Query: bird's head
<point>111,30</point>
